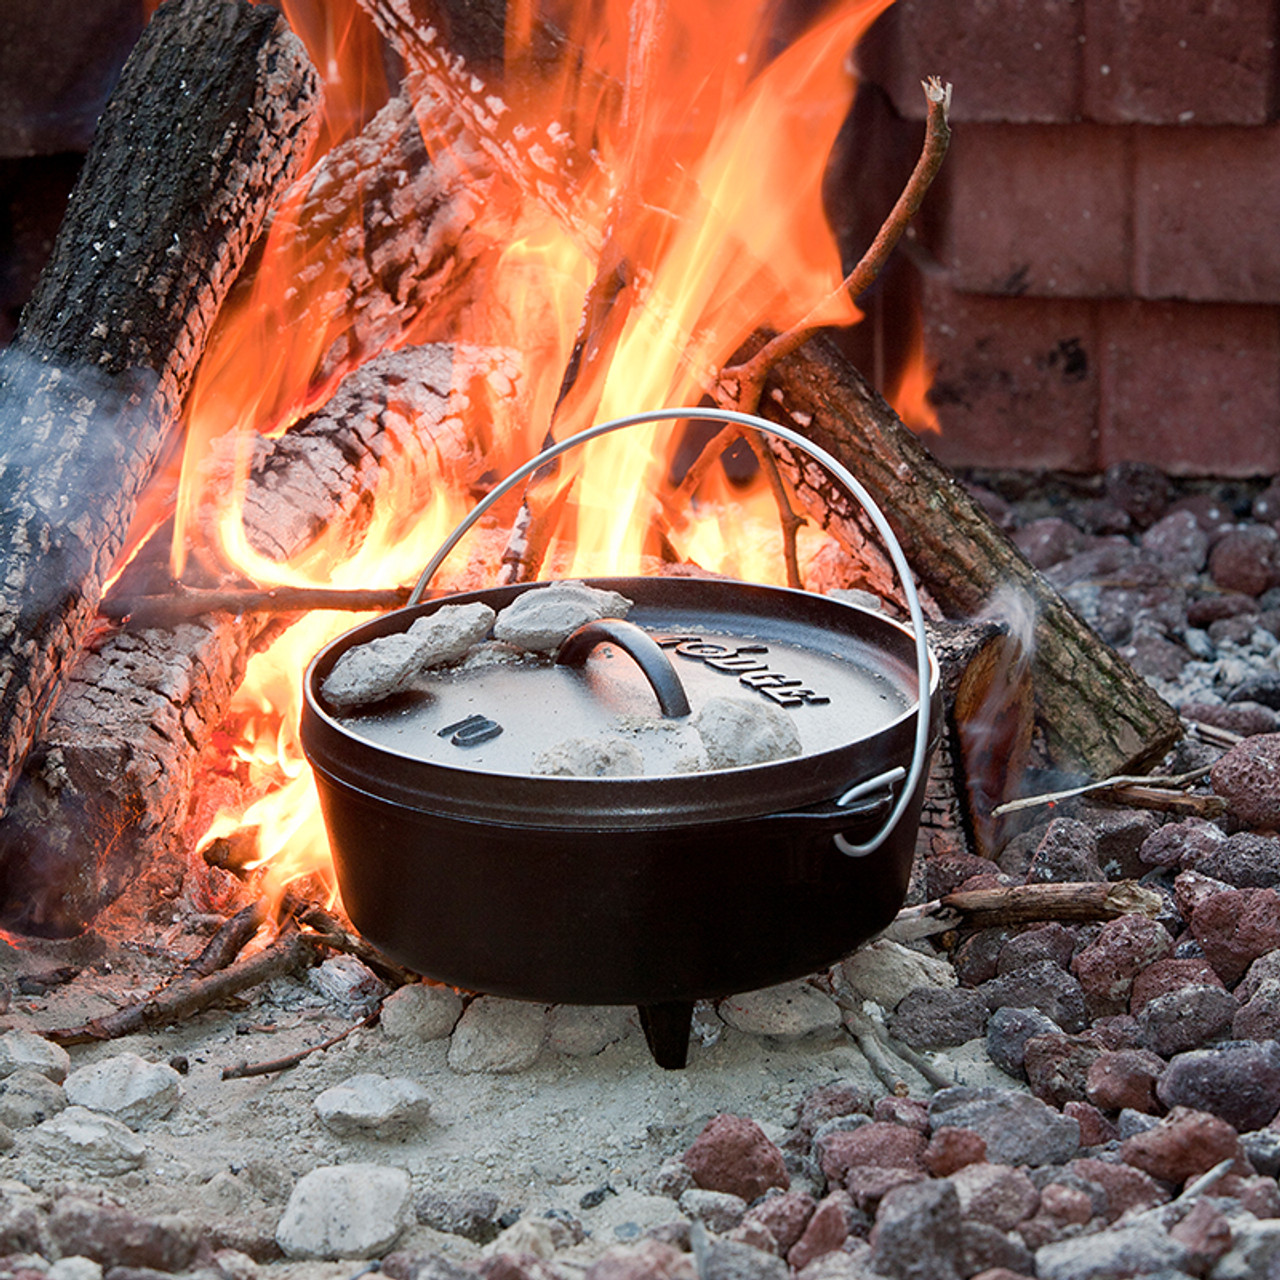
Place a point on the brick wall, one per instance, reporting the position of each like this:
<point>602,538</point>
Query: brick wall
<point>1102,265</point>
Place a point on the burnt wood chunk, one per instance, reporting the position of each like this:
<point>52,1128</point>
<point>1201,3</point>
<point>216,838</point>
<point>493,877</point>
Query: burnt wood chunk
<point>103,798</point>
<point>210,121</point>
<point>1098,713</point>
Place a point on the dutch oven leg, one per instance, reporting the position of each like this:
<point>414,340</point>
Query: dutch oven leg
<point>666,1028</point>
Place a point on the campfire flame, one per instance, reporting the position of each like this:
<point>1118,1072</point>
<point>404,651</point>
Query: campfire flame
<point>667,188</point>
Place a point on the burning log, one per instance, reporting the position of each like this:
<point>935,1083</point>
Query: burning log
<point>108,787</point>
<point>1096,711</point>
<point>211,119</point>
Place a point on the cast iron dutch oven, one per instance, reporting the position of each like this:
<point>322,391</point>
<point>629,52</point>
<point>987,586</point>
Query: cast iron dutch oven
<point>657,890</point>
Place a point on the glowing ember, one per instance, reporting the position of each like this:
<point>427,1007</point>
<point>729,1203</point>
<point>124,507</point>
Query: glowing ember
<point>666,185</point>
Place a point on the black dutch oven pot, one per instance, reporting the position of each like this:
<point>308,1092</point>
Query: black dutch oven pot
<point>460,863</point>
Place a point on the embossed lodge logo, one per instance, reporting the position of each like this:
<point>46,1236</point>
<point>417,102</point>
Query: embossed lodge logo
<point>744,662</point>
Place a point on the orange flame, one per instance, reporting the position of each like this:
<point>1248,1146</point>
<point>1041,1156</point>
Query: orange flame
<point>666,185</point>
<point>910,397</point>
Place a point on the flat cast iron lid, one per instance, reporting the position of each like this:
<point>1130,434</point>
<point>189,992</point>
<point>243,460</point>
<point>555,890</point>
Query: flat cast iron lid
<point>841,674</point>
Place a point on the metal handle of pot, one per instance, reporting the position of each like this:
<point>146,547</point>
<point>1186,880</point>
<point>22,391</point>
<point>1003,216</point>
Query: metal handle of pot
<point>642,647</point>
<point>850,483</point>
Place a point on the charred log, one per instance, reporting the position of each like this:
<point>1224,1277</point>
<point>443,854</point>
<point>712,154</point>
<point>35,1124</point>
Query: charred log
<point>107,790</point>
<point>210,121</point>
<point>1098,714</point>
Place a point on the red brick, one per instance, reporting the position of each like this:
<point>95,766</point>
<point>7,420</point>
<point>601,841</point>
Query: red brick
<point>1192,387</point>
<point>1009,60</point>
<point>1039,209</point>
<point>1179,61</point>
<point>1204,214</point>
<point>1016,381</point>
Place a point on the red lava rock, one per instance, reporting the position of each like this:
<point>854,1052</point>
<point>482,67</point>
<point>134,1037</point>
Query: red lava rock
<point>1259,1195</point>
<point>1049,942</point>
<point>520,1266</point>
<point>1057,1067</point>
<point>1248,778</point>
<point>1235,928</point>
<point>828,1229</point>
<point>911,1113</point>
<point>1171,974</point>
<point>947,873</point>
<point>648,1260</point>
<point>1066,1204</point>
<point>1183,1145</point>
<point>1237,1081</point>
<point>1190,889</point>
<point>1246,560</point>
<point>116,1238</point>
<point>827,1101</point>
<point>883,1145</point>
<point>1259,1017</point>
<point>1050,540</point>
<point>1107,967</point>
<point>732,1154</point>
<point>1179,844</point>
<point>997,1194</point>
<point>1000,1273</point>
<point>1067,851</point>
<point>952,1148</point>
<point>869,1184</point>
<point>784,1217</point>
<point>1126,1187</point>
<point>1125,1078</point>
<point>1095,1128</point>
<point>1206,1232</point>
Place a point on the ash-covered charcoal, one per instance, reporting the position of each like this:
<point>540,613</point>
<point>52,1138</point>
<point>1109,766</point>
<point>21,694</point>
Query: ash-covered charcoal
<point>375,670</point>
<point>607,756</point>
<point>542,619</point>
<point>736,731</point>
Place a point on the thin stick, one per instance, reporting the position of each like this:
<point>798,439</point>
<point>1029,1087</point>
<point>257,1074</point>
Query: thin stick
<point>331,933</point>
<point>243,1070</point>
<point>289,953</point>
<point>1105,784</point>
<point>742,385</point>
<point>186,603</point>
<point>228,942</point>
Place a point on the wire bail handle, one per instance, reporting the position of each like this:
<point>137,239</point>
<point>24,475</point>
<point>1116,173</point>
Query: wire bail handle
<point>855,489</point>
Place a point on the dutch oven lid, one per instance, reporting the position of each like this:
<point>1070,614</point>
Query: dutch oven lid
<point>844,677</point>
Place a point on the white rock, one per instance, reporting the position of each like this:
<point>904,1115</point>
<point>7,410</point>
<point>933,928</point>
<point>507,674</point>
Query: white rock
<point>529,1235</point>
<point>346,1211</point>
<point>421,1011</point>
<point>127,1087</point>
<point>25,1049</point>
<point>91,1142</point>
<point>498,1036</point>
<point>885,971</point>
<point>378,668</point>
<point>1255,1250</point>
<point>788,1011</point>
<point>543,618</point>
<point>582,1031</point>
<point>720,1211</point>
<point>607,756</point>
<point>347,983</point>
<point>75,1268</point>
<point>743,731</point>
<point>231,1264</point>
<point>373,1105</point>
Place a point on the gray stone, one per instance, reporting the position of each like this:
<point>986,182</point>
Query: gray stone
<point>348,984</point>
<point>1248,779</point>
<point>884,971</point>
<point>1017,1128</point>
<point>24,1050</point>
<point>605,756</point>
<point>1067,852</point>
<point>984,1248</point>
<point>498,1036</point>
<point>1042,986</point>
<point>471,1214</point>
<point>789,1011</point>
<point>377,669</point>
<point>28,1098</point>
<point>127,1087</point>
<point>1257,1019</point>
<point>1254,1253</point>
<point>1238,1082</point>
<point>917,1232</point>
<point>541,619</point>
<point>90,1142</point>
<point>1188,1018</point>
<point>929,1018</point>
<point>1262,1146</point>
<point>346,1211</point>
<point>421,1011</point>
<point>1246,860</point>
<point>1008,1030</point>
<point>373,1106</point>
<point>744,731</point>
<point>718,1211</point>
<point>730,1260</point>
<point>582,1031</point>
<point>76,1268</point>
<point>995,1194</point>
<point>1117,1254</point>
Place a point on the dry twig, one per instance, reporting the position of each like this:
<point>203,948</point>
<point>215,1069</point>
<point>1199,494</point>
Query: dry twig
<point>1152,783</point>
<point>243,1070</point>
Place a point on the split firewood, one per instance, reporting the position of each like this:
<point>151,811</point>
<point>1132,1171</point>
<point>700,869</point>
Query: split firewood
<point>183,604</point>
<point>211,119</point>
<point>291,952</point>
<point>108,787</point>
<point>1025,904</point>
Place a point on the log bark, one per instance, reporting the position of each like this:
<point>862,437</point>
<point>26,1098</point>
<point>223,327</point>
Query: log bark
<point>1098,714</point>
<point>210,121</point>
<point>105,794</point>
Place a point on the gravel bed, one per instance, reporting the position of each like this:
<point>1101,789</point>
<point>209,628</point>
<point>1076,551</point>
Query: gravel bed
<point>1075,1102</point>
